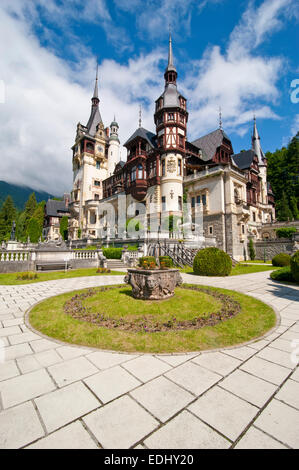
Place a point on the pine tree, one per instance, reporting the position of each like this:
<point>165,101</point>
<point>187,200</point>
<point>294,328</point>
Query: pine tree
<point>39,213</point>
<point>30,208</point>
<point>34,230</point>
<point>8,214</point>
<point>284,212</point>
<point>294,207</point>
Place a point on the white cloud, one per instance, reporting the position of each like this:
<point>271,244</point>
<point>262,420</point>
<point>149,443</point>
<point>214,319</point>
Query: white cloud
<point>46,96</point>
<point>257,24</point>
<point>242,82</point>
<point>44,103</point>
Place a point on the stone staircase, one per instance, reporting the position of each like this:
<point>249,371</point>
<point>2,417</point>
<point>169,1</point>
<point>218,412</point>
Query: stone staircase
<point>116,265</point>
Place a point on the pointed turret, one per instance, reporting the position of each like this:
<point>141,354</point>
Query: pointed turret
<point>170,72</point>
<point>95,115</point>
<point>256,145</point>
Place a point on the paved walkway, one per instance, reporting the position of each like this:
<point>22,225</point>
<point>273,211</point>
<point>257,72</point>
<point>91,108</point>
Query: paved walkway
<point>58,396</point>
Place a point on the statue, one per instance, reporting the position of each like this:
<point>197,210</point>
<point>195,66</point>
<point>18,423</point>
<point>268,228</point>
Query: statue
<point>13,232</point>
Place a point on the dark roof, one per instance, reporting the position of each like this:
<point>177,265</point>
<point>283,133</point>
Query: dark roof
<point>54,207</point>
<point>143,134</point>
<point>119,165</point>
<point>243,160</point>
<point>209,143</point>
<point>94,120</point>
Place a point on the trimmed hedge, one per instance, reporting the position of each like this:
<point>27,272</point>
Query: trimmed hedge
<point>147,262</point>
<point>165,261</point>
<point>283,274</point>
<point>112,253</point>
<point>212,262</point>
<point>285,232</point>
<point>281,260</point>
<point>295,266</point>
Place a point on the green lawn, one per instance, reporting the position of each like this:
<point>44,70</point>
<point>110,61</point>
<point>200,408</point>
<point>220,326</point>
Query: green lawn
<point>239,269</point>
<point>11,278</point>
<point>254,320</point>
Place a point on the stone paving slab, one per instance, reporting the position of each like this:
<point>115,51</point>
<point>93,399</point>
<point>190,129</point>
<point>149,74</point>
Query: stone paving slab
<point>266,370</point>
<point>73,436</point>
<point>252,389</point>
<point>67,372</point>
<point>25,387</point>
<point>120,424</point>
<point>256,439</point>
<point>192,377</point>
<point>162,398</point>
<point>194,400</point>
<point>289,393</point>
<point>19,426</point>
<point>65,405</point>
<point>111,383</point>
<point>146,367</point>
<point>217,362</point>
<point>185,431</point>
<point>225,412</point>
<point>280,421</point>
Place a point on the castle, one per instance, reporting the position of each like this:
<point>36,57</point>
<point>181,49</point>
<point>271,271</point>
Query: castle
<point>163,170</point>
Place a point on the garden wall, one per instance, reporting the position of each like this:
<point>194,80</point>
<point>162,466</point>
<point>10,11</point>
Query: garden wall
<point>273,247</point>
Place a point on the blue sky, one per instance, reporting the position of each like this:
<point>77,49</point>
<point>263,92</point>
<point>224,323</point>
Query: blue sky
<point>240,55</point>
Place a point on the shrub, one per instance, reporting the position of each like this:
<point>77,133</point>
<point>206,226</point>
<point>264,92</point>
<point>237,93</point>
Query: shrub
<point>147,262</point>
<point>112,253</point>
<point>103,270</point>
<point>251,250</point>
<point>283,274</point>
<point>212,262</point>
<point>282,259</point>
<point>27,276</point>
<point>64,223</point>
<point>295,266</point>
<point>285,232</point>
<point>165,262</point>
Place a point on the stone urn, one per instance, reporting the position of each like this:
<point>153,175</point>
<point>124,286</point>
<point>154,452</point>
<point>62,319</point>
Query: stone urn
<point>153,284</point>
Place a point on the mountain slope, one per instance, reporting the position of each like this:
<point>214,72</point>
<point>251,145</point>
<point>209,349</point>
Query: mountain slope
<point>20,194</point>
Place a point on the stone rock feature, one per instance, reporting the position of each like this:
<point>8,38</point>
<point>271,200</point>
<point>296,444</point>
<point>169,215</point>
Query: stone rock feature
<point>155,284</point>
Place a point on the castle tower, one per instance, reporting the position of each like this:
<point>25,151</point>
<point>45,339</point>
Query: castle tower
<point>171,118</point>
<point>90,167</point>
<point>113,149</point>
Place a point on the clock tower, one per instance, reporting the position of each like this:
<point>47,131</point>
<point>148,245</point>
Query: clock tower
<point>171,118</point>
<point>90,168</point>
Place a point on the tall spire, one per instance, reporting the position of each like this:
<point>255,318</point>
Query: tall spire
<point>96,88</point>
<point>256,143</point>
<point>140,116</point>
<point>170,66</point>
<point>220,119</point>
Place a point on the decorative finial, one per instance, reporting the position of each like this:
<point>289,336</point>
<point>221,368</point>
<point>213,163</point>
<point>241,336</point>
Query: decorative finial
<point>140,116</point>
<point>220,118</point>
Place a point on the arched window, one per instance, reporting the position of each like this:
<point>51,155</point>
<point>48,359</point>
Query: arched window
<point>139,172</point>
